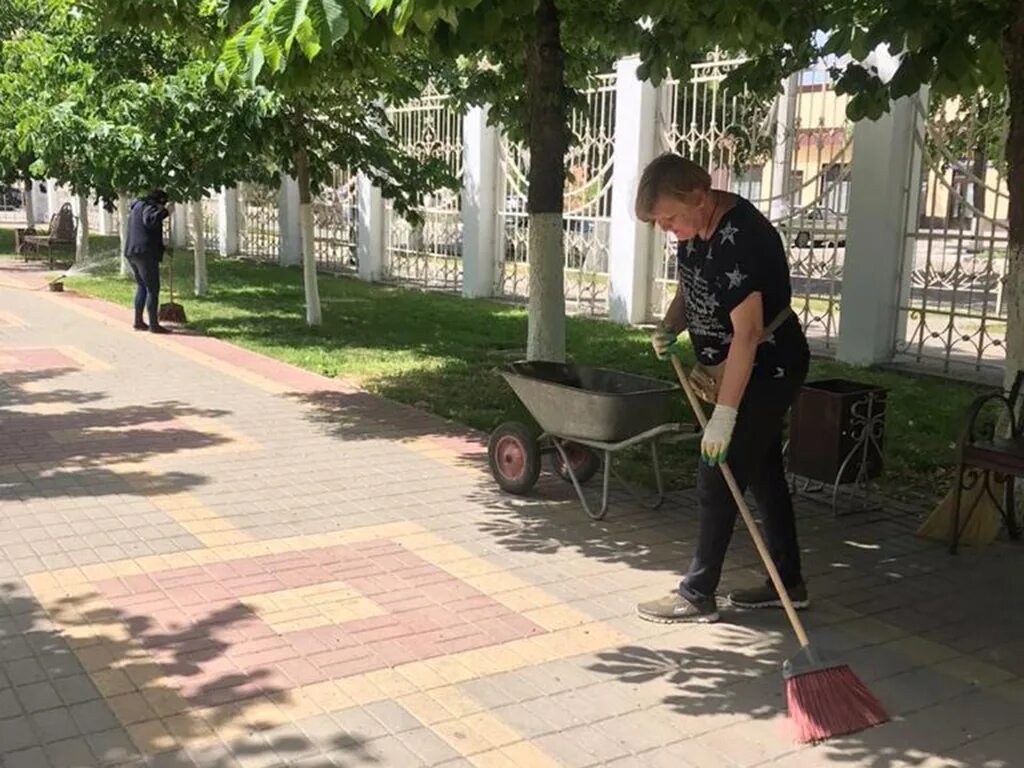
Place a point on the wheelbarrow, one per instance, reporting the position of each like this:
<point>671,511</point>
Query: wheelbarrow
<point>585,415</point>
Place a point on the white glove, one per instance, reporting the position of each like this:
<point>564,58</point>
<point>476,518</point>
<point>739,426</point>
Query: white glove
<point>714,444</point>
<point>662,340</point>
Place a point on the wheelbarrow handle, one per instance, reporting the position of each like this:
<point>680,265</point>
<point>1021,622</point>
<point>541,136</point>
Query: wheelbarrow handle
<point>741,504</point>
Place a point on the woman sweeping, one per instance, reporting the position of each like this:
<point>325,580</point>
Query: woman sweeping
<point>734,300</point>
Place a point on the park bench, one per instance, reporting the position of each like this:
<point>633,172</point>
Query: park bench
<point>61,234</point>
<point>984,457</point>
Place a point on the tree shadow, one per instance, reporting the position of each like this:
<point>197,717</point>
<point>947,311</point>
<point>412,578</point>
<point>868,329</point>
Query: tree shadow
<point>68,451</point>
<point>74,649</point>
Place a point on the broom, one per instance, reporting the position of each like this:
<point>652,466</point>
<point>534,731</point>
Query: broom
<point>171,312</point>
<point>825,699</point>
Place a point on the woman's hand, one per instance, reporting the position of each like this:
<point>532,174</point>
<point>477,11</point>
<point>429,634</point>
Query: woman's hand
<point>662,340</point>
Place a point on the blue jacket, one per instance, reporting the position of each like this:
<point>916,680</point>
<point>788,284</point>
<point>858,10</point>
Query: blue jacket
<point>145,230</point>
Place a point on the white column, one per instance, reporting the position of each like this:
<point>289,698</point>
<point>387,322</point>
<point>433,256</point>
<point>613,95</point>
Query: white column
<point>289,251</point>
<point>123,203</point>
<point>629,257</point>
<point>179,226</point>
<point>479,203</point>
<point>884,189</point>
<point>52,198</point>
<point>106,223</point>
<point>785,139</point>
<point>39,203</point>
<point>227,221</point>
<point>370,247</point>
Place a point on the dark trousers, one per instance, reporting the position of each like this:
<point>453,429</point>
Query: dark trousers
<point>755,457</point>
<point>147,286</point>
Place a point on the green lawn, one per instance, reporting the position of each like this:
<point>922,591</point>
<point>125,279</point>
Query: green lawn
<point>440,352</point>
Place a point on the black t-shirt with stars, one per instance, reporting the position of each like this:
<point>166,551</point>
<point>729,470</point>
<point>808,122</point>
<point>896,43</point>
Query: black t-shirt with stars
<point>745,254</point>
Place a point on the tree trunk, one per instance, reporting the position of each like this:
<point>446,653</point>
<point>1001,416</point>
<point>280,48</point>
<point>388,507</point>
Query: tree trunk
<point>82,243</point>
<point>199,247</point>
<point>28,203</point>
<point>1014,55</point>
<point>122,221</point>
<point>313,314</point>
<point>545,89</point>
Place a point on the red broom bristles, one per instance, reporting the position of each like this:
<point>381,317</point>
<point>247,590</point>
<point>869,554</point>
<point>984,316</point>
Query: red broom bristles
<point>831,702</point>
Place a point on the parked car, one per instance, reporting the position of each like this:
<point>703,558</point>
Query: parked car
<point>817,225</point>
<point>10,198</point>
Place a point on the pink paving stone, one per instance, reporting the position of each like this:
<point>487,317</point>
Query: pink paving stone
<point>35,359</point>
<point>227,654</point>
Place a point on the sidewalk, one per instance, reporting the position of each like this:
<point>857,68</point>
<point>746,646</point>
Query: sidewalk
<point>210,558</point>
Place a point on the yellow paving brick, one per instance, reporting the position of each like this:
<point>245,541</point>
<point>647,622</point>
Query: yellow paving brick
<point>392,684</point>
<point>124,568</point>
<point>351,610</point>
<point>98,572</point>
<point>455,701</point>
<point>494,758</point>
<point>360,689</point>
<point>264,714</point>
<point>190,730</point>
<point>417,541</point>
<point>151,737</point>
<point>495,583</point>
<point>445,554</point>
<point>112,682</point>
<point>492,729</point>
<point>450,669</point>
<point>470,567</point>
<point>425,708</point>
<point>165,701</point>
<point>526,599</point>
<point>556,617</point>
<point>327,696</point>
<point>525,753</point>
<point>496,660</point>
<point>130,708</point>
<point>462,737</point>
<point>421,676</point>
<point>144,674</point>
<point>297,705</point>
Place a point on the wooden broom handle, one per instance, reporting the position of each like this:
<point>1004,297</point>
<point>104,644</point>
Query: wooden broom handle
<point>748,518</point>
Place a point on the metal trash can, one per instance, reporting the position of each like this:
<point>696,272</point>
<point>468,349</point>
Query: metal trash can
<point>837,432</point>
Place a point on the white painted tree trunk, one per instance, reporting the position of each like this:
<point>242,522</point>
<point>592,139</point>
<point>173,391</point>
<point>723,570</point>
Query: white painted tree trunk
<point>199,247</point>
<point>29,204</point>
<point>122,219</point>
<point>545,337</point>
<point>82,244</point>
<point>309,277</point>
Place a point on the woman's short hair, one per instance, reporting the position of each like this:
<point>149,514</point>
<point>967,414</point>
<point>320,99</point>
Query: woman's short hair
<point>668,175</point>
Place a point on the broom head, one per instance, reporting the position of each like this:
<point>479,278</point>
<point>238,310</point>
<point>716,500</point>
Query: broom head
<point>171,313</point>
<point>828,700</point>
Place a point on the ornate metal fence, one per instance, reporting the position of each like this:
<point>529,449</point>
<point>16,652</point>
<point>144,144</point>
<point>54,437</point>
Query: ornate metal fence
<point>789,155</point>
<point>211,236</point>
<point>258,233</point>
<point>952,310</point>
<point>588,199</point>
<point>336,223</point>
<point>430,253</point>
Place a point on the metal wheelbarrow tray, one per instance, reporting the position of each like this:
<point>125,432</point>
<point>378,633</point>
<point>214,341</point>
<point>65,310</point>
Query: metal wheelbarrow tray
<point>586,414</point>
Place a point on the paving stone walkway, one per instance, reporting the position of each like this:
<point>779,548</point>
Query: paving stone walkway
<point>210,558</point>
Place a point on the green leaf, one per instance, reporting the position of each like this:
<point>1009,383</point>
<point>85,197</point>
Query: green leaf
<point>336,16</point>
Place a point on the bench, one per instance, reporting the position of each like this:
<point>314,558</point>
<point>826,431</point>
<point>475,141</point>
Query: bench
<point>62,233</point>
<point>984,457</point>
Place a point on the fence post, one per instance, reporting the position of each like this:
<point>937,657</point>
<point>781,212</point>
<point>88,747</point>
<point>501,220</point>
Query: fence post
<point>82,245</point>
<point>227,221</point>
<point>479,203</point>
<point>179,226</point>
<point>629,258</point>
<point>289,247</point>
<point>370,240</point>
<point>52,198</point>
<point>884,191</point>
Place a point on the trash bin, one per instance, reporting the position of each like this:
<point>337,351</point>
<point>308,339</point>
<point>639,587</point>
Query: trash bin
<point>837,431</point>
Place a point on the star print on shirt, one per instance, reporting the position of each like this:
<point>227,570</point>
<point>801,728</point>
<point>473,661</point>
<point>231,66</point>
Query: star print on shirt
<point>708,254</point>
<point>690,248</point>
<point>708,352</point>
<point>735,277</point>
<point>780,373</point>
<point>729,233</point>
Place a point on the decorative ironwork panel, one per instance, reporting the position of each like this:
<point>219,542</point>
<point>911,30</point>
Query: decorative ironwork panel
<point>789,155</point>
<point>336,223</point>
<point>952,300</point>
<point>587,207</point>
<point>430,253</point>
<point>258,231</point>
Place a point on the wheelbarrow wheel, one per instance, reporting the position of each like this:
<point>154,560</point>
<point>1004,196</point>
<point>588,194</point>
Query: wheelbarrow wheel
<point>514,457</point>
<point>585,462</point>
